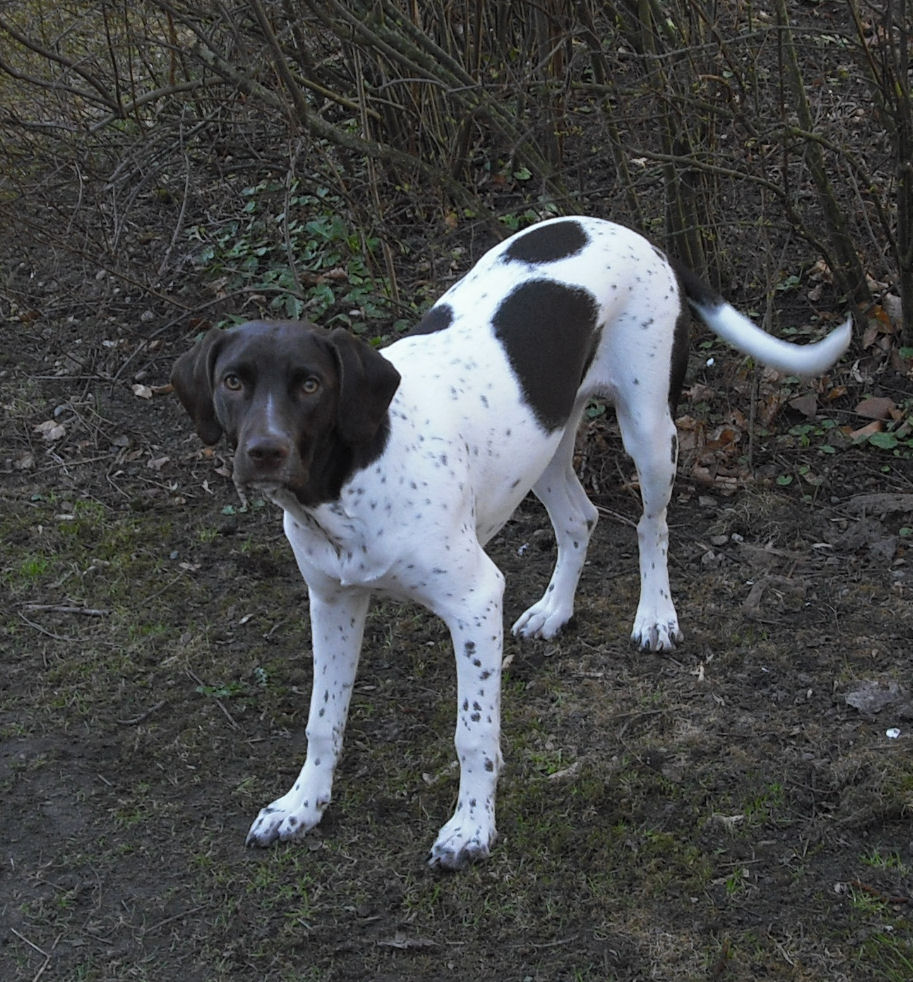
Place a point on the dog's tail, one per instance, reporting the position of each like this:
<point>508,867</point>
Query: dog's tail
<point>736,329</point>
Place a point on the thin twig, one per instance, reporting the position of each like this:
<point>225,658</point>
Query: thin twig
<point>133,720</point>
<point>41,630</point>
<point>179,224</point>
<point>69,609</point>
<point>168,920</point>
<point>41,951</point>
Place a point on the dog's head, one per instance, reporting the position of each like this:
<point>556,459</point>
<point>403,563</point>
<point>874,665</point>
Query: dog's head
<point>302,406</point>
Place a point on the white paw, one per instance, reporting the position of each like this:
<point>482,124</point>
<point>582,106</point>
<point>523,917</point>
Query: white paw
<point>286,818</point>
<point>544,619</point>
<point>466,838</point>
<point>656,634</point>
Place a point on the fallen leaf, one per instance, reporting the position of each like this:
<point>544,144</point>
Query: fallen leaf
<point>141,391</point>
<point>878,407</point>
<point>701,393</point>
<point>870,334</point>
<point>769,407</point>
<point>876,426</point>
<point>807,405</point>
<point>51,430</point>
<point>879,314</point>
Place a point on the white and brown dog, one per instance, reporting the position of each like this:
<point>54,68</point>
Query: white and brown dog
<point>395,467</point>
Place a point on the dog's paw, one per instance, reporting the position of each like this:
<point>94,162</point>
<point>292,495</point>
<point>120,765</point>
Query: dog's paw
<point>463,840</point>
<point>544,619</point>
<point>657,637</point>
<point>286,818</point>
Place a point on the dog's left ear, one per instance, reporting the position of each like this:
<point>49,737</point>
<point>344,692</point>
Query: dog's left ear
<point>367,382</point>
<point>192,381</point>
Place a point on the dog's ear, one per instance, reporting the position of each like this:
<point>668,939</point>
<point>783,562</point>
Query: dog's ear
<point>192,381</point>
<point>367,382</point>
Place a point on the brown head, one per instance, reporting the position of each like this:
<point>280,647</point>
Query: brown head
<point>302,406</point>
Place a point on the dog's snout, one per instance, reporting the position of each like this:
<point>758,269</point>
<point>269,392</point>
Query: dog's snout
<point>268,451</point>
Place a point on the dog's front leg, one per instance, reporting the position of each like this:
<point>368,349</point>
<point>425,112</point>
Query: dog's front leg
<point>337,627</point>
<point>474,616</point>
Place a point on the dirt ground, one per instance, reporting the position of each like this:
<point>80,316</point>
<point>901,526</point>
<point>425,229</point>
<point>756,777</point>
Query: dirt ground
<point>739,809</point>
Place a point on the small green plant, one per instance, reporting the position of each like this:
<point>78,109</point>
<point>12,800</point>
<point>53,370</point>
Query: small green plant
<point>31,569</point>
<point>891,441</point>
<point>885,861</point>
<point>252,505</point>
<point>765,805</point>
<point>514,222</point>
<point>226,691</point>
<point>897,437</point>
<point>736,882</point>
<point>295,250</point>
<point>814,434</point>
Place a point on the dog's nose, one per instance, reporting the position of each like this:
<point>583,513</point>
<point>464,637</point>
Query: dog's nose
<point>267,452</point>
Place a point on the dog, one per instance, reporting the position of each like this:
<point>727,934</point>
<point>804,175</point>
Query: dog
<point>394,467</point>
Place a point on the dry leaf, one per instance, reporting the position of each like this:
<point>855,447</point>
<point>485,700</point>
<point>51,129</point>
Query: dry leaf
<point>807,405</point>
<point>51,430</point>
<point>878,407</point>
<point>141,391</point>
<point>870,334</point>
<point>876,426</point>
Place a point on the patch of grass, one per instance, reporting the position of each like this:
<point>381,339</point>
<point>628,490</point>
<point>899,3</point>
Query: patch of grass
<point>27,572</point>
<point>890,950</point>
<point>766,805</point>
<point>889,861</point>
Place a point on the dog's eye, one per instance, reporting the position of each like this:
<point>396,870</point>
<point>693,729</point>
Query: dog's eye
<point>232,382</point>
<point>310,385</point>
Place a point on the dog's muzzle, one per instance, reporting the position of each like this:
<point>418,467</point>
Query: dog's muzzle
<point>268,465</point>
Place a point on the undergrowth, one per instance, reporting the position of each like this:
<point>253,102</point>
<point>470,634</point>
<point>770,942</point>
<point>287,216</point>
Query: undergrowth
<point>292,254</point>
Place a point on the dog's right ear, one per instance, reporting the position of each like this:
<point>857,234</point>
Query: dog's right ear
<point>192,381</point>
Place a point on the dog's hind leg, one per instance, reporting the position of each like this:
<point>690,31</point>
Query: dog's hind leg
<point>573,517</point>
<point>650,438</point>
